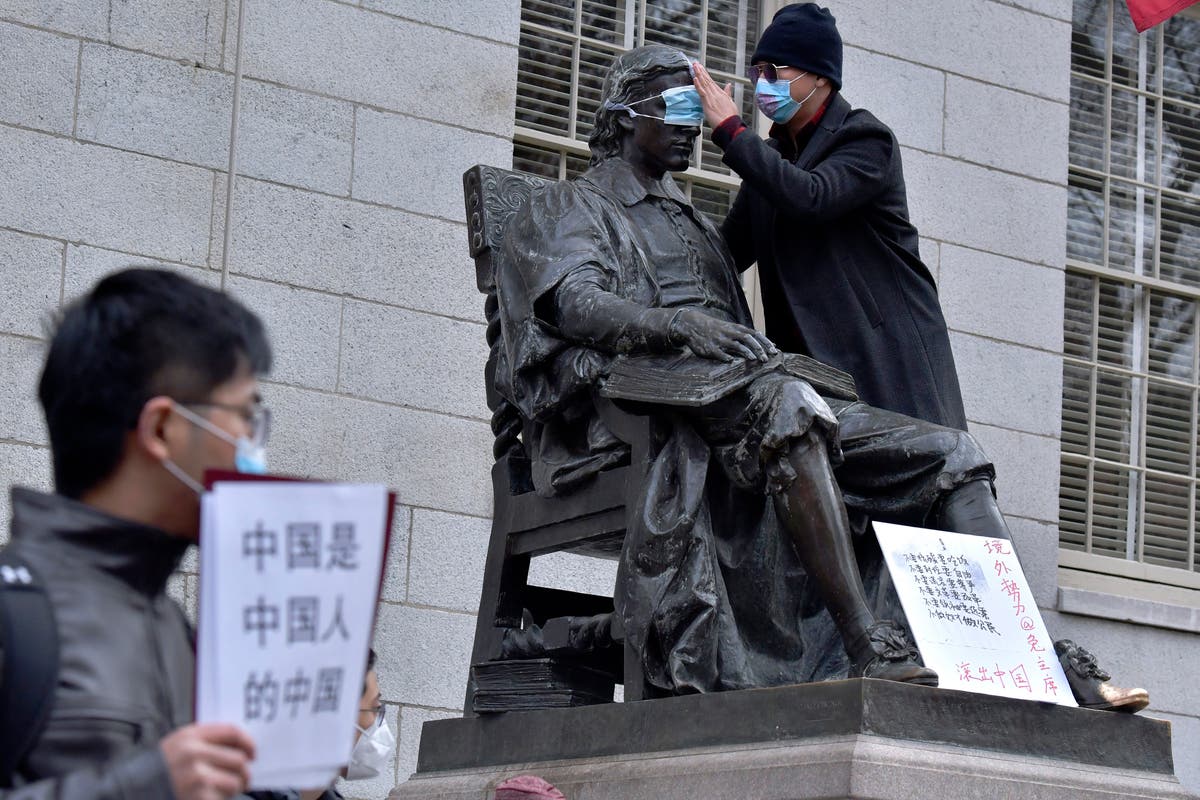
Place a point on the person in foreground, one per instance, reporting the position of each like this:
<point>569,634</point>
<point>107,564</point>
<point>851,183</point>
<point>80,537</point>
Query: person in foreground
<point>149,381</point>
<point>823,210</point>
<point>742,540</point>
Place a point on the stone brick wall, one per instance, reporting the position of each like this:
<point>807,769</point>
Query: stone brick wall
<point>356,122</point>
<point>348,237</point>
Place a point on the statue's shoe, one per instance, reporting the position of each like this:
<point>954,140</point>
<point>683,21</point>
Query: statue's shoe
<point>890,655</point>
<point>1091,685</point>
<point>906,671</point>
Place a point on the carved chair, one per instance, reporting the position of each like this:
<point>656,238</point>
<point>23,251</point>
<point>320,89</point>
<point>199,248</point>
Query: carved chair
<point>590,521</point>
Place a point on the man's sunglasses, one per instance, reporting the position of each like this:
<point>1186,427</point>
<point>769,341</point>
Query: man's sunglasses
<point>765,70</point>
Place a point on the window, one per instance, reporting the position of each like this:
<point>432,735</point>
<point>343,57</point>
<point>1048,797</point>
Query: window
<point>1131,367</point>
<point>567,46</point>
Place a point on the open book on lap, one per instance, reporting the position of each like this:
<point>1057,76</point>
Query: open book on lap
<point>684,379</point>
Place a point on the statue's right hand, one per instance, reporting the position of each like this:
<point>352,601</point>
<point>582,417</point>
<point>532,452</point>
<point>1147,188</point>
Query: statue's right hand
<point>208,761</point>
<point>718,339</point>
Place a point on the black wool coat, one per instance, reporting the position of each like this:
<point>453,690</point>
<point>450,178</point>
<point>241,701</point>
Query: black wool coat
<point>842,278</point>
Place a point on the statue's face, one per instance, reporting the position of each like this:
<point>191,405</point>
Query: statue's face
<point>657,146</point>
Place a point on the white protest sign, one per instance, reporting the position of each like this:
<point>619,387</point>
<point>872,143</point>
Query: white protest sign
<point>289,577</point>
<point>972,613</point>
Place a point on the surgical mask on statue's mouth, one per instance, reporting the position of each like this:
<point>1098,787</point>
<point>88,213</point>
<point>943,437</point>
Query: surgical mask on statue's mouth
<point>372,751</point>
<point>776,101</point>
<point>249,457</point>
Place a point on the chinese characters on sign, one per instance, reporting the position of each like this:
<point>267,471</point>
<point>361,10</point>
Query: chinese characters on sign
<point>947,590</point>
<point>289,574</point>
<point>263,694</point>
<point>972,613</point>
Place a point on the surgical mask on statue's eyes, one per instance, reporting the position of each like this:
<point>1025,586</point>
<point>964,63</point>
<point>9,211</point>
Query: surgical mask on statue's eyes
<point>372,751</point>
<point>776,101</point>
<point>249,457</point>
<point>683,106</point>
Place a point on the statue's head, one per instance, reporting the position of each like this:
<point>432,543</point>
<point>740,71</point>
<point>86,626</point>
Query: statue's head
<point>635,83</point>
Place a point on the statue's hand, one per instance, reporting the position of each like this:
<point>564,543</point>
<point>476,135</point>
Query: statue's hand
<point>714,338</point>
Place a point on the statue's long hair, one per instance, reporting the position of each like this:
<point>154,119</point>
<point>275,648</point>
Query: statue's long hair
<point>626,82</point>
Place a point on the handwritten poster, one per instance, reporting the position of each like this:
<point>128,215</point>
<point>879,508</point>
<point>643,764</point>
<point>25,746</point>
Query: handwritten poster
<point>289,574</point>
<point>973,614</point>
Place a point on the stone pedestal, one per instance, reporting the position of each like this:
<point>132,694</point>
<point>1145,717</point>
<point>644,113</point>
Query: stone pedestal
<point>844,739</point>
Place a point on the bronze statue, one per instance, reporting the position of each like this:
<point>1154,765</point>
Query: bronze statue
<point>742,569</point>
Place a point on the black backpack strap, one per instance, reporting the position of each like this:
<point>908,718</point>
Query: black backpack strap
<point>28,661</point>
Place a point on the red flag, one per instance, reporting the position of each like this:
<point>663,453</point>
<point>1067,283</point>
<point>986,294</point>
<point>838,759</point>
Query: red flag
<point>1148,13</point>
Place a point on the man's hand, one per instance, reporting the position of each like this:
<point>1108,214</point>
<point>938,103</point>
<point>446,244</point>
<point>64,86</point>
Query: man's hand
<point>714,338</point>
<point>209,761</point>
<point>718,103</point>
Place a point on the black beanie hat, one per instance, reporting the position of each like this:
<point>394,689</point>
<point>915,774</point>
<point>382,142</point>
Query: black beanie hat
<point>805,36</point>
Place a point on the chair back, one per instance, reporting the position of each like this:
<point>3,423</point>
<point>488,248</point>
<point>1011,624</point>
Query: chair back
<point>492,196</point>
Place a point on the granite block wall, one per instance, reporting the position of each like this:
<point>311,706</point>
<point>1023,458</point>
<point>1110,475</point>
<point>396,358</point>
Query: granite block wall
<point>346,234</point>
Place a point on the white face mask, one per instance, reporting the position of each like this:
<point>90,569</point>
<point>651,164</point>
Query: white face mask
<point>372,752</point>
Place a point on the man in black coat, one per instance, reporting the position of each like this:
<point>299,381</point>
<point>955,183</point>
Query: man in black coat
<point>823,210</point>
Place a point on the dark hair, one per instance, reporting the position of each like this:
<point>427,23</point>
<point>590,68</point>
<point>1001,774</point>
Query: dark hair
<point>138,334</point>
<point>626,82</point>
<point>370,666</point>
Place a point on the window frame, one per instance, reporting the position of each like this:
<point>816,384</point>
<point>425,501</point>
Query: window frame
<point>1170,585</point>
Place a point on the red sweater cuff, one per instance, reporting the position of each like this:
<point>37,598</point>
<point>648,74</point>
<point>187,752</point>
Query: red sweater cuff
<point>727,131</point>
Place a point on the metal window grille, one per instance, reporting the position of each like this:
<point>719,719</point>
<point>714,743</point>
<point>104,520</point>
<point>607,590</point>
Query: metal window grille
<point>566,46</point>
<point>1131,366</point>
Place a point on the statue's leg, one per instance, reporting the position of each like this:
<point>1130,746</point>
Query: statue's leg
<point>971,508</point>
<point>903,470</point>
<point>813,512</point>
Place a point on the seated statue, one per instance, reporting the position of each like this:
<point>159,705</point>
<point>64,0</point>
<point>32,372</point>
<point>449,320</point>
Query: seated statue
<point>741,569</point>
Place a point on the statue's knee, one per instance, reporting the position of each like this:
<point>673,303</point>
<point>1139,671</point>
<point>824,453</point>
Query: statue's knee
<point>968,443</point>
<point>970,507</point>
<point>966,459</point>
<point>811,445</point>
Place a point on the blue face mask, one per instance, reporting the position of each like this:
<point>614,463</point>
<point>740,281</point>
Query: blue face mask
<point>776,101</point>
<point>249,456</point>
<point>682,103</point>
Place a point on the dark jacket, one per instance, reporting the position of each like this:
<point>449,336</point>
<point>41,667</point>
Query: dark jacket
<point>842,279</point>
<point>126,652</point>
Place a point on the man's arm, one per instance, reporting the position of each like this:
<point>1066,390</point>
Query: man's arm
<point>143,774</point>
<point>852,175</point>
<point>196,762</point>
<point>585,312</point>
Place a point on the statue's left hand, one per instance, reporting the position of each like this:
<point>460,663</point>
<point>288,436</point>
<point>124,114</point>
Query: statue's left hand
<point>718,103</point>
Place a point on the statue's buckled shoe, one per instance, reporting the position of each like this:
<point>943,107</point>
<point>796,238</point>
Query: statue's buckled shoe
<point>1090,684</point>
<point>893,657</point>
